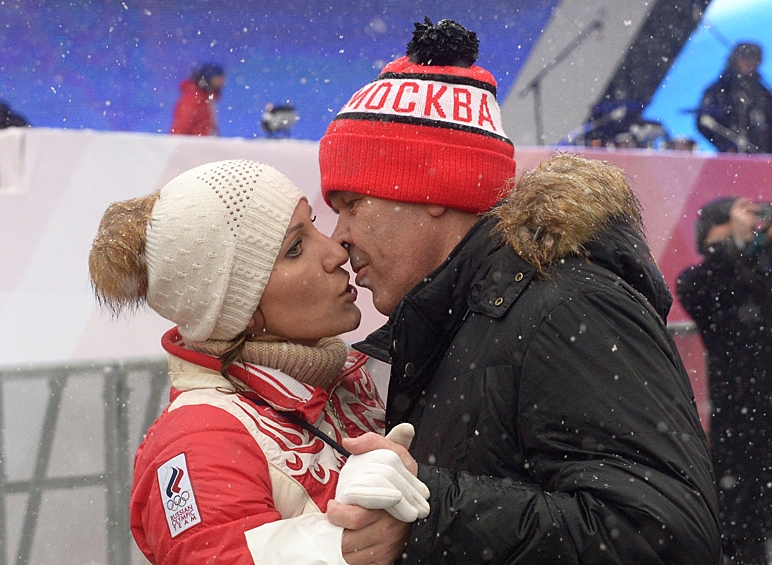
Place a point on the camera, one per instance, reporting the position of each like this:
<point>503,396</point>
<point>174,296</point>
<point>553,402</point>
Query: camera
<point>764,212</point>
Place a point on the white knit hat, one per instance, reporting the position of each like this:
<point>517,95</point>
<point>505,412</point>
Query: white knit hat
<point>212,240</point>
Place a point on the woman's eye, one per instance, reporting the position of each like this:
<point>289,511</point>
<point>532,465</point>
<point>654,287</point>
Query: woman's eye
<point>313,219</point>
<point>295,250</point>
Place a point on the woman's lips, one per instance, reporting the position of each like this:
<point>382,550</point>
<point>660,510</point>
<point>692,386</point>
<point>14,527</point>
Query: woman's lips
<point>351,292</point>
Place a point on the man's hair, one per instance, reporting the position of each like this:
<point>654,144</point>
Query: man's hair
<point>714,213</point>
<point>203,74</point>
<point>746,51</point>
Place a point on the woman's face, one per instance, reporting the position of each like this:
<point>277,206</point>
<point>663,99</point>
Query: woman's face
<point>308,295</point>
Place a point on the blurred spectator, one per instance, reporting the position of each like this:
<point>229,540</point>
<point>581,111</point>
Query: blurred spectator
<point>278,119</point>
<point>10,119</point>
<point>736,110</point>
<point>729,296</point>
<point>196,112</point>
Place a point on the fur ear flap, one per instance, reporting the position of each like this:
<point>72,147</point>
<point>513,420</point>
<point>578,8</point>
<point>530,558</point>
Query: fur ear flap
<point>117,259</point>
<point>562,204</point>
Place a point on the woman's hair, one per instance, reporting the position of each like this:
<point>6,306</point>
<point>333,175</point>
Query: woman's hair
<point>116,262</point>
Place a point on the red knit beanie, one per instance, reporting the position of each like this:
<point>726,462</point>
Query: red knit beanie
<point>427,130</point>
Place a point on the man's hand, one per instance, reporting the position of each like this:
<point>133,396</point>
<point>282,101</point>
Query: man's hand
<point>370,536</point>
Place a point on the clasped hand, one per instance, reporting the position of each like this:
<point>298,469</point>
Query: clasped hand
<point>378,480</point>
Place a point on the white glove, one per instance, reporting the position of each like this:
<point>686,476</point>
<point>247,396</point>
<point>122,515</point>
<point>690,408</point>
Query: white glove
<point>402,434</point>
<point>378,480</point>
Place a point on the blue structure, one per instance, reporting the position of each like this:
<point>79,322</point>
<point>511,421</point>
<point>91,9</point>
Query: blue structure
<point>724,24</point>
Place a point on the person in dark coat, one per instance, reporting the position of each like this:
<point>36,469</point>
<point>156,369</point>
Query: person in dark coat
<point>736,111</point>
<point>555,422</point>
<point>729,297</point>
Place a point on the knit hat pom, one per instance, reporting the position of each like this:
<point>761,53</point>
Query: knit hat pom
<point>446,43</point>
<point>116,261</point>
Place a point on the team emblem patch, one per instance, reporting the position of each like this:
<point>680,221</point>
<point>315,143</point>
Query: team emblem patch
<point>177,495</point>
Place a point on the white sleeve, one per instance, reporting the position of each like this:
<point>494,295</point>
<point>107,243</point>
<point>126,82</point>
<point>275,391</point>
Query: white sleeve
<point>309,539</point>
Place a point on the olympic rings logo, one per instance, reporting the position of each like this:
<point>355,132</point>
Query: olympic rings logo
<point>178,501</point>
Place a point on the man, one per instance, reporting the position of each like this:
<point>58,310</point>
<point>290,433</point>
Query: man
<point>729,296</point>
<point>196,112</point>
<point>736,110</point>
<point>554,420</point>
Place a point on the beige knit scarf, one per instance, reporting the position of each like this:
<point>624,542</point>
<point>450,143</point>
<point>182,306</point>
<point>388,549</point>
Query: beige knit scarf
<point>318,366</point>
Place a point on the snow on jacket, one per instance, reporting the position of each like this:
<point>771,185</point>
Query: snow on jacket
<point>555,422</point>
<point>195,113</point>
<point>222,478</point>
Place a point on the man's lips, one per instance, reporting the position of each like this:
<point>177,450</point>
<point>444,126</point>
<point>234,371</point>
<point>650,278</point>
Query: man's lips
<point>361,279</point>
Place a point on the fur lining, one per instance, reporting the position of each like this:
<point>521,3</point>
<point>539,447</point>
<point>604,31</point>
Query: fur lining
<point>563,204</point>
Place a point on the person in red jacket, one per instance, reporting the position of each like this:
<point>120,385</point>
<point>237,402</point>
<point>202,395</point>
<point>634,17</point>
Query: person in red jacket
<point>242,464</point>
<point>196,112</point>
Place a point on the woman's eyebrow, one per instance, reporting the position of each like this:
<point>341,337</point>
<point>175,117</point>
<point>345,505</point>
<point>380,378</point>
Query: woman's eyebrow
<point>291,229</point>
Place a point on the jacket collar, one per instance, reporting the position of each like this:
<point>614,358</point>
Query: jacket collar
<point>192,369</point>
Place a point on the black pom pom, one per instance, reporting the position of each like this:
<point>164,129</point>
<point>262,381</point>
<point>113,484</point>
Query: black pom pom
<point>446,43</point>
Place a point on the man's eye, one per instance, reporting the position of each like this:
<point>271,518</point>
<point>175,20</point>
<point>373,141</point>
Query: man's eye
<point>295,250</point>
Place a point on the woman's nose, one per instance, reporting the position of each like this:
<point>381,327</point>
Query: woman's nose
<point>336,256</point>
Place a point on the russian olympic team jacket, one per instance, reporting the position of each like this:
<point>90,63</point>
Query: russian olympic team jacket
<point>222,478</point>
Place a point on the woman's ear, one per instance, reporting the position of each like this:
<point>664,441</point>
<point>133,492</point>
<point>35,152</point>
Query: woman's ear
<point>256,324</point>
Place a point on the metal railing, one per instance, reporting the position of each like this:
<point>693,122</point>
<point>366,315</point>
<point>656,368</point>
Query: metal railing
<point>17,386</point>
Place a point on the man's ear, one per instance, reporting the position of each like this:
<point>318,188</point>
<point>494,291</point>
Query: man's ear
<point>436,210</point>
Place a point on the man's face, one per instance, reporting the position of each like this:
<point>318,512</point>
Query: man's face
<point>216,84</point>
<point>717,234</point>
<point>392,245</point>
<point>747,65</point>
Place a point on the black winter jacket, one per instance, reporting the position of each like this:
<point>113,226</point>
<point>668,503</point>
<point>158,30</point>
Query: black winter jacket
<point>729,296</point>
<point>554,420</point>
<point>742,107</point>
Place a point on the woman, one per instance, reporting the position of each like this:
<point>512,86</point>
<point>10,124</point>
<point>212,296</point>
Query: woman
<point>241,465</point>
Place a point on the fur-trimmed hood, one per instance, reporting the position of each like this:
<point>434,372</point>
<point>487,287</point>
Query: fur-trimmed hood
<point>571,206</point>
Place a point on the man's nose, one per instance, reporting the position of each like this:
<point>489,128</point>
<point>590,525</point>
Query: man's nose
<point>340,234</point>
<point>336,257</point>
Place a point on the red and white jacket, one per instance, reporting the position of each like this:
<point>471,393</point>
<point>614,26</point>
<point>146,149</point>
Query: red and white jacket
<point>221,478</point>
